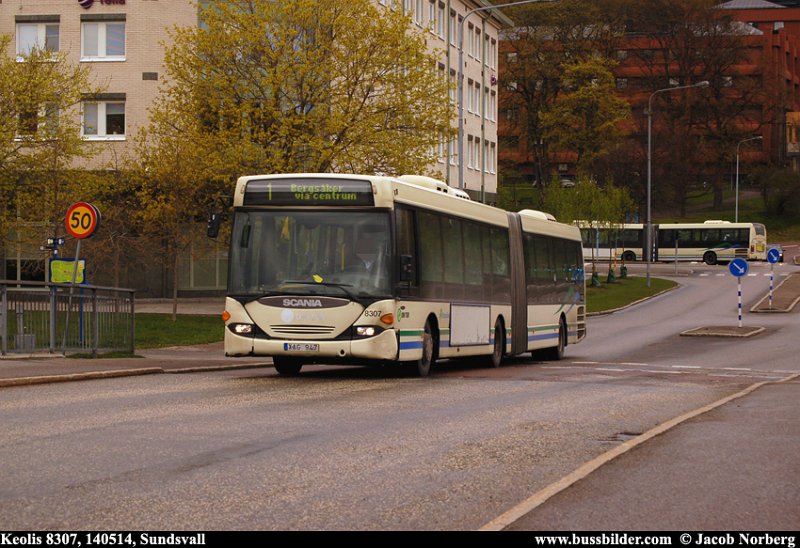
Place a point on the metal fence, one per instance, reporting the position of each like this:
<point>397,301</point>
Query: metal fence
<point>65,318</point>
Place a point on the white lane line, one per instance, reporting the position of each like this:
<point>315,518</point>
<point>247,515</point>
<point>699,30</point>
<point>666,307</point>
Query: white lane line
<point>541,496</point>
<point>635,364</point>
<point>685,366</point>
<point>608,369</point>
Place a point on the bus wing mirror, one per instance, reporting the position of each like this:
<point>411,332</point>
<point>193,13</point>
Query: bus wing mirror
<point>214,222</point>
<point>406,268</point>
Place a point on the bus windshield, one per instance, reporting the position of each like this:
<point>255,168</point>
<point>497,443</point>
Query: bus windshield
<point>332,253</point>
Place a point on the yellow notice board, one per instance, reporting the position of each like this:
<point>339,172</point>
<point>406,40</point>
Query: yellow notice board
<point>61,270</point>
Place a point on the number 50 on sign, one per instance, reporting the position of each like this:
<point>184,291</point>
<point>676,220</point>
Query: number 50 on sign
<point>82,220</point>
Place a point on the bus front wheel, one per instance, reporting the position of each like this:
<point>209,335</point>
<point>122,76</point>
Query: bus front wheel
<point>429,345</point>
<point>287,367</point>
<point>710,258</point>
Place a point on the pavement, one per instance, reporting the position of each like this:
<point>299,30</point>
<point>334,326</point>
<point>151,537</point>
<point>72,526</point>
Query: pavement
<point>16,370</point>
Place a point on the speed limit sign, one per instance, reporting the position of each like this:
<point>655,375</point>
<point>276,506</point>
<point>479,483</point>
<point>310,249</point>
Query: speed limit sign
<point>82,220</point>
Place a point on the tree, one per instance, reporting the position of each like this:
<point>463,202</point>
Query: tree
<point>307,86</point>
<point>550,37</point>
<point>587,118</point>
<point>40,141</point>
<point>589,205</point>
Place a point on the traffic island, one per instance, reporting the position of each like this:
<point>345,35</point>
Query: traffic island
<point>722,331</point>
<point>784,297</point>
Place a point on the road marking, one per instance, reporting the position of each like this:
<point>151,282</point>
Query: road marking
<point>543,495</point>
<point>719,275</point>
<point>608,369</point>
<point>635,364</point>
<point>685,366</point>
<point>736,369</point>
<point>705,274</point>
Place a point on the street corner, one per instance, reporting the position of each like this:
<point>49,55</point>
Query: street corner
<point>723,331</point>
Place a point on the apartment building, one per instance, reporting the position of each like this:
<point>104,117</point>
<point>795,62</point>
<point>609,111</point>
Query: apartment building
<point>123,43</point>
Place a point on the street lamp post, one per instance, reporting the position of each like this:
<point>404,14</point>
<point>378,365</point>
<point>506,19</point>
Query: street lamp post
<point>461,80</point>
<point>736,215</point>
<point>649,231</point>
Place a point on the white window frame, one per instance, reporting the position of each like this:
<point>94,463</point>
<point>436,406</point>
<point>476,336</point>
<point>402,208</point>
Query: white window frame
<point>102,41</point>
<point>41,36</point>
<point>101,133</point>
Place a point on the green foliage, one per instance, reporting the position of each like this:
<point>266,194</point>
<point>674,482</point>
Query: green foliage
<point>306,86</point>
<point>40,138</point>
<point>159,330</point>
<point>588,117</point>
<point>623,292</point>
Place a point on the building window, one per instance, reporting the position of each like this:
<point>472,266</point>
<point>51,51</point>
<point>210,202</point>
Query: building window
<point>103,40</point>
<point>37,32</point>
<point>37,123</point>
<point>418,15</point>
<point>622,83</point>
<point>104,117</point>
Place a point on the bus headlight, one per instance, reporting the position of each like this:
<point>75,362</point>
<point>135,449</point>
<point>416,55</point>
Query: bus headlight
<point>241,328</point>
<point>366,331</point>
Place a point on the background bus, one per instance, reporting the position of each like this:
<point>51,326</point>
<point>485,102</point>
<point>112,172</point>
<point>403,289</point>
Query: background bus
<point>359,269</point>
<point>710,242</point>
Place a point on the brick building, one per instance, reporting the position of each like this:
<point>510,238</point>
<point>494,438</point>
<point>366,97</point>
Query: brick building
<point>771,31</point>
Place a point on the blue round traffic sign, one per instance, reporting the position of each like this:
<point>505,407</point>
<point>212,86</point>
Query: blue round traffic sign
<point>774,255</point>
<point>738,267</point>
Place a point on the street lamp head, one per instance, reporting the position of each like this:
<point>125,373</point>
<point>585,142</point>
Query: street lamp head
<point>702,84</point>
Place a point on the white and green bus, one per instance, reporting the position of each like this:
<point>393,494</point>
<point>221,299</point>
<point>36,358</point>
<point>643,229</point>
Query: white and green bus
<point>358,269</point>
<point>711,242</point>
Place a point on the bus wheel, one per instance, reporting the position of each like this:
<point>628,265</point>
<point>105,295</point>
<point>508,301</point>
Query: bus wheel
<point>557,352</point>
<point>428,358</point>
<point>629,256</point>
<point>496,356</point>
<point>710,258</point>
<point>287,367</point>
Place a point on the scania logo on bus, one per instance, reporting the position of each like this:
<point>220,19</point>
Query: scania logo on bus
<point>303,302</point>
<point>86,4</point>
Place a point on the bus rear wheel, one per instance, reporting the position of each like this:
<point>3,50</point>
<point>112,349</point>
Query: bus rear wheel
<point>557,352</point>
<point>629,256</point>
<point>287,367</point>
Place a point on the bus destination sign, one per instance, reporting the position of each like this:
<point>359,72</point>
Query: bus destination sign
<point>309,192</point>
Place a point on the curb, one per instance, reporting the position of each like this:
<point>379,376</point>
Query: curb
<point>723,331</point>
<point>69,377</point>
<point>44,379</point>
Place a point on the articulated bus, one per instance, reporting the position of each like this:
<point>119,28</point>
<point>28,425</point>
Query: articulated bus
<point>357,269</point>
<point>711,242</point>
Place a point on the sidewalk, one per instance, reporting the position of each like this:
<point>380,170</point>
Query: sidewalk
<point>45,368</point>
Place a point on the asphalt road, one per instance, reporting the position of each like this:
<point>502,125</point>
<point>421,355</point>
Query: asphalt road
<point>370,449</point>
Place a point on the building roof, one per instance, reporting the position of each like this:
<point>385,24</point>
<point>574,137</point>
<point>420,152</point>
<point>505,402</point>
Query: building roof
<point>749,5</point>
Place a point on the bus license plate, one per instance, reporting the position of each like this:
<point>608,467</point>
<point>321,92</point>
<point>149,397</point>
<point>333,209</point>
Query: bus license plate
<point>301,347</point>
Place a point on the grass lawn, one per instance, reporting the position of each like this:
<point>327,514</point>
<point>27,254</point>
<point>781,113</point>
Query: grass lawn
<point>158,330</point>
<point>622,292</point>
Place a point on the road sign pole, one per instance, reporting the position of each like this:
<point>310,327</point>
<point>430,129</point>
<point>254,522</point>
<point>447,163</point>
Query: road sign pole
<point>771,278</point>
<point>740,301</point>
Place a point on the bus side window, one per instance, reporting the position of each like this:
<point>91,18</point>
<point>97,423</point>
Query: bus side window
<point>406,246</point>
